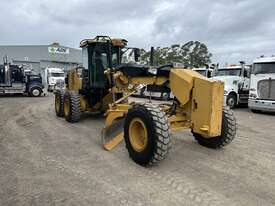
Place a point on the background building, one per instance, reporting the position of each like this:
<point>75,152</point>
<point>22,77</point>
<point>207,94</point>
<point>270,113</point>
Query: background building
<point>38,57</point>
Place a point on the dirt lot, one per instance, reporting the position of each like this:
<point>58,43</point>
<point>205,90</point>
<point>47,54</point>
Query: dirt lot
<point>47,161</point>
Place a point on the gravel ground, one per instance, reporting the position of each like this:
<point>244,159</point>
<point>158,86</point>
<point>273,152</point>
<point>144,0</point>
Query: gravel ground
<point>47,161</point>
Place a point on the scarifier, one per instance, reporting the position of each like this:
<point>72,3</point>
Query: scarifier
<point>104,84</point>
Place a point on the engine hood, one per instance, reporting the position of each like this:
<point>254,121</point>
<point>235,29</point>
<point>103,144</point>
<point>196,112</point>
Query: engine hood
<point>54,80</point>
<point>230,82</point>
<point>226,79</point>
<point>259,77</point>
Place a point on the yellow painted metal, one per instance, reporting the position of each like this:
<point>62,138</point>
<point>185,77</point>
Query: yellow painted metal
<point>66,107</point>
<point>113,142</point>
<point>83,103</point>
<point>115,42</point>
<point>179,122</point>
<point>104,104</point>
<point>119,42</point>
<point>124,98</point>
<point>115,112</point>
<point>74,80</point>
<point>113,115</point>
<point>123,81</point>
<point>207,103</point>
<point>108,99</point>
<point>200,99</point>
<point>181,83</point>
<point>147,80</point>
<point>138,134</point>
<point>199,105</point>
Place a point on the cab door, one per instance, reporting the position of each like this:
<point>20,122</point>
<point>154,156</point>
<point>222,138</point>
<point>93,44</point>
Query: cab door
<point>98,63</point>
<point>246,80</point>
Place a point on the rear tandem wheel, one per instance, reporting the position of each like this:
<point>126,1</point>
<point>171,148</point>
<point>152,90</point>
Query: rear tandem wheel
<point>59,103</point>
<point>72,110</point>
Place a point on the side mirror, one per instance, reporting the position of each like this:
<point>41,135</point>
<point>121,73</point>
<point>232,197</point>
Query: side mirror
<point>136,54</point>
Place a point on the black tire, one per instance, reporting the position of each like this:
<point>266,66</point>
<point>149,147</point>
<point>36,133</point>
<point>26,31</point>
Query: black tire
<point>228,132</point>
<point>158,130</point>
<point>231,101</point>
<point>35,91</point>
<point>74,111</point>
<point>59,103</point>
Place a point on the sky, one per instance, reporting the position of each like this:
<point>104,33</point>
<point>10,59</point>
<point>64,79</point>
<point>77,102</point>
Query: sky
<point>233,30</point>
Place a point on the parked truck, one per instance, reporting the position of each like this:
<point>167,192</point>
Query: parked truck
<point>15,79</point>
<point>262,85</point>
<point>54,76</point>
<point>207,72</point>
<point>236,80</point>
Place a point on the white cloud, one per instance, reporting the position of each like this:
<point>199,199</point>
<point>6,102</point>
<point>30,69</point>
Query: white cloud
<point>233,30</point>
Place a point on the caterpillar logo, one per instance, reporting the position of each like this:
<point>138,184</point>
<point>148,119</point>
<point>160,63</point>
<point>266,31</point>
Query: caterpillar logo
<point>58,50</point>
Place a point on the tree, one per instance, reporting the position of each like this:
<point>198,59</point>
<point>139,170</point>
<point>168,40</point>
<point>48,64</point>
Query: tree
<point>192,54</point>
<point>195,54</point>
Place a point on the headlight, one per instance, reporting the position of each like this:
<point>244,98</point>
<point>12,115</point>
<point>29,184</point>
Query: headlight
<point>225,92</point>
<point>152,71</point>
<point>235,81</point>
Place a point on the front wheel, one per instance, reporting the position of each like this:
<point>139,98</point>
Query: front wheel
<point>231,101</point>
<point>228,132</point>
<point>35,91</point>
<point>147,134</point>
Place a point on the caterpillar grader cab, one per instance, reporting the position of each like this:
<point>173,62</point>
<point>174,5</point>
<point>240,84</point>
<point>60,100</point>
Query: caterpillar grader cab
<point>104,84</point>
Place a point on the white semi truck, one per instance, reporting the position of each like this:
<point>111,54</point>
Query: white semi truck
<point>236,80</point>
<point>262,86</point>
<point>53,76</point>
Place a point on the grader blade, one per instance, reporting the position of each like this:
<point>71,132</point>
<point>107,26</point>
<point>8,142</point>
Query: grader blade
<point>112,135</point>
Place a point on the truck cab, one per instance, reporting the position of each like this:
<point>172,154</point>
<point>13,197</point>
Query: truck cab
<point>262,86</point>
<point>15,80</point>
<point>54,76</point>
<point>207,72</point>
<point>236,80</point>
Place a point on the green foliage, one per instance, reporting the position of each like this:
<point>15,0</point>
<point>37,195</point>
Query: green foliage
<point>192,54</point>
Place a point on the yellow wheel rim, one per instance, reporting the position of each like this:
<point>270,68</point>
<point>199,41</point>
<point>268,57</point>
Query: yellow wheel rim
<point>66,107</point>
<point>138,134</point>
<point>57,103</point>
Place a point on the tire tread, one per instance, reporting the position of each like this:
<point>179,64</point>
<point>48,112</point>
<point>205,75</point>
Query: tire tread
<point>229,128</point>
<point>75,109</point>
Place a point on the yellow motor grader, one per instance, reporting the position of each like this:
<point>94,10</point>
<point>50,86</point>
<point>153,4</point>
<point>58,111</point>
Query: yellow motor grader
<point>104,84</point>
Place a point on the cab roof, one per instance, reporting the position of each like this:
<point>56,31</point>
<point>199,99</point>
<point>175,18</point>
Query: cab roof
<point>235,67</point>
<point>202,69</point>
<point>115,41</point>
<point>264,59</point>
